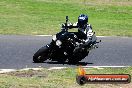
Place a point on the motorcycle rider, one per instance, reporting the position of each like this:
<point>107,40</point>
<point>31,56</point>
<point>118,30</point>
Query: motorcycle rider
<point>84,29</point>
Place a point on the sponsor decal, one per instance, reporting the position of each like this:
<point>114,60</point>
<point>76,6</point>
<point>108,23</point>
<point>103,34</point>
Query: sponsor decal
<point>83,78</point>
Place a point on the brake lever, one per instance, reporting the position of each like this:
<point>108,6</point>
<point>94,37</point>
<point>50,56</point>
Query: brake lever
<point>99,41</point>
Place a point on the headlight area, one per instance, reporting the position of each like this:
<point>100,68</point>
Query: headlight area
<point>58,42</point>
<point>54,37</point>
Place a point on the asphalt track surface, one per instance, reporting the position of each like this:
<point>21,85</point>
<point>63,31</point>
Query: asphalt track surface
<point>16,52</point>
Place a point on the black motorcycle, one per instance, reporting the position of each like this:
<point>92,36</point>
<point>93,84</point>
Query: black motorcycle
<point>65,46</point>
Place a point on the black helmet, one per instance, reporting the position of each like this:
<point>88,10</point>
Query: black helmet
<point>82,20</point>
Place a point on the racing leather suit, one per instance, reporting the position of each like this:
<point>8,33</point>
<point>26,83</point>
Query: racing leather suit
<point>83,31</point>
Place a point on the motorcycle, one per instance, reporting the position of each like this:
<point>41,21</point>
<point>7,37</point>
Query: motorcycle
<point>65,47</point>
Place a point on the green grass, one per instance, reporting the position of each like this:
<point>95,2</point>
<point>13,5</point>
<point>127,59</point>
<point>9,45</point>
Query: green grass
<point>31,17</point>
<point>64,78</point>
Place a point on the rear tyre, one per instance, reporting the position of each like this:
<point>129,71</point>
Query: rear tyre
<point>61,60</point>
<point>41,55</point>
<point>78,56</point>
<point>73,60</point>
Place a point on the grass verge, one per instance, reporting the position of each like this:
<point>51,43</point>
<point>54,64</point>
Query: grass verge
<point>64,78</point>
<point>31,17</point>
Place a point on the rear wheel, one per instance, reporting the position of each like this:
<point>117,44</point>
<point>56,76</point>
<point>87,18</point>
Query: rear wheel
<point>78,55</point>
<point>61,60</point>
<point>41,55</point>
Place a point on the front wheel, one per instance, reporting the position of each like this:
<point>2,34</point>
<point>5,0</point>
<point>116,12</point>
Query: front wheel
<point>41,55</point>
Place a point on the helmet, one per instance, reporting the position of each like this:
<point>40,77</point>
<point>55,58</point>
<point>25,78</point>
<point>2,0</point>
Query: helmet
<point>82,20</point>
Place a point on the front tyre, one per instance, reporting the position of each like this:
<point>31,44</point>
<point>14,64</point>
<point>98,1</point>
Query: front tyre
<point>41,55</point>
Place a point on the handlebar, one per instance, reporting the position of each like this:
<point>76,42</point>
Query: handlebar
<point>66,25</point>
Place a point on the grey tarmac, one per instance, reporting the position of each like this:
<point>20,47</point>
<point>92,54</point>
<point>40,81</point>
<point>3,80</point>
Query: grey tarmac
<point>16,52</point>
